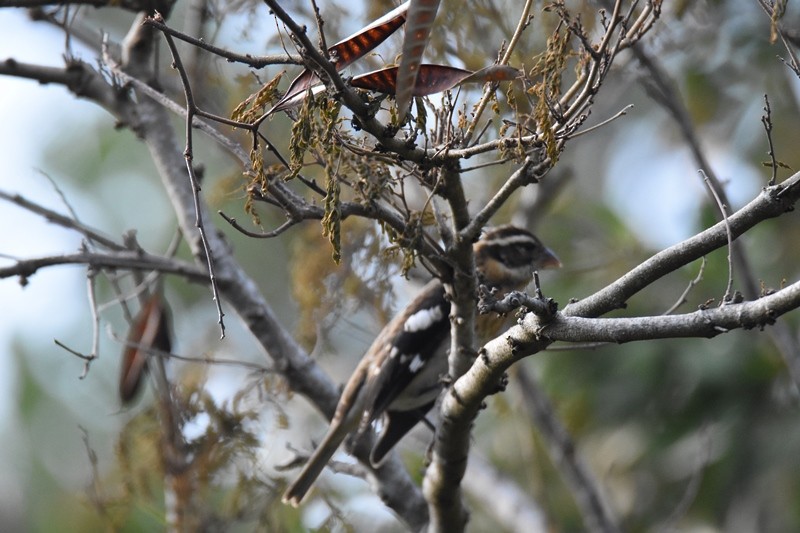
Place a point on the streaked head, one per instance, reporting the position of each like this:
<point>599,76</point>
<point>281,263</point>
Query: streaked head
<point>506,256</point>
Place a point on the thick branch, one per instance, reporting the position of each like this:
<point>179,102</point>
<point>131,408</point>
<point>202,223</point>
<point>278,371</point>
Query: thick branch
<point>772,202</point>
<point>451,448</point>
<point>704,323</point>
<point>463,400</point>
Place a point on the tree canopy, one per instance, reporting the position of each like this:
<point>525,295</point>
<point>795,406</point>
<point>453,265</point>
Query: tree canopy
<point>266,183</point>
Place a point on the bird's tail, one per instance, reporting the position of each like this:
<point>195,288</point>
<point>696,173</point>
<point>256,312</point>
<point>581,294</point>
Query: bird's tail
<point>316,464</point>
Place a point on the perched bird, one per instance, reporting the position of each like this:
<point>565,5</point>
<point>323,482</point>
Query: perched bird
<point>399,377</point>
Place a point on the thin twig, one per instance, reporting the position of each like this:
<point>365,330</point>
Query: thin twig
<point>256,235</point>
<point>769,9</point>
<point>682,298</point>
<point>766,119</point>
<point>61,220</point>
<point>191,110</point>
<point>91,276</point>
<point>214,361</point>
<point>253,61</point>
<point>488,164</point>
<point>87,358</point>
<point>490,88</point>
<point>323,45</point>
<point>621,113</point>
<point>728,297</point>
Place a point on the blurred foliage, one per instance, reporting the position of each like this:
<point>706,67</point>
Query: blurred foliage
<point>684,434</point>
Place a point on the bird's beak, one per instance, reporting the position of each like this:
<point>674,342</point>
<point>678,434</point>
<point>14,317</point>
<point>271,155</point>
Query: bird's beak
<point>549,259</point>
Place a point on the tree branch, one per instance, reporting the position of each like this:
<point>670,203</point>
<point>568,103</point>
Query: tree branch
<point>148,119</point>
<point>703,323</point>
<point>127,260</point>
<point>243,295</point>
<point>772,202</point>
<point>61,220</point>
<point>232,57</point>
<point>462,401</point>
<point>441,485</point>
<point>130,5</point>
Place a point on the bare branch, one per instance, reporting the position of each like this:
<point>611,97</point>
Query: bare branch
<point>728,296</point>
<point>247,59</point>
<point>770,8</point>
<point>772,202</point>
<point>24,268</point>
<point>267,235</point>
<point>188,154</point>
<point>61,220</point>
<point>544,308</point>
<point>92,293</point>
<point>528,173</point>
<point>705,323</point>
<point>243,295</point>
<point>766,120</point>
<point>463,399</point>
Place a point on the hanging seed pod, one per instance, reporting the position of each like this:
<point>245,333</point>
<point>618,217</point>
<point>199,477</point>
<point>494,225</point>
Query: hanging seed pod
<point>149,332</point>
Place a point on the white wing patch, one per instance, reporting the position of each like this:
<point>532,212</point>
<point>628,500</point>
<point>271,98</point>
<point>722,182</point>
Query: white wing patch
<point>416,363</point>
<point>423,319</point>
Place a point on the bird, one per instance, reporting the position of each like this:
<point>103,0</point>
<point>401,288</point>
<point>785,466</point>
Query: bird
<point>400,375</point>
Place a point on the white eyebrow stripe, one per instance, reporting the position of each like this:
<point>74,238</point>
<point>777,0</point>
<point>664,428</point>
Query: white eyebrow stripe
<point>509,240</point>
<point>423,319</point>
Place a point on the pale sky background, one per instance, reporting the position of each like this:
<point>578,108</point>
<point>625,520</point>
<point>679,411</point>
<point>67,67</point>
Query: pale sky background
<point>27,110</point>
